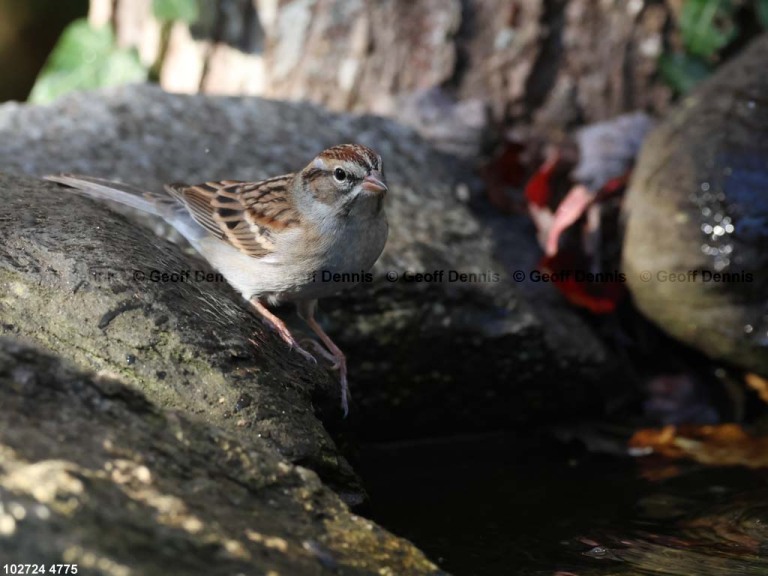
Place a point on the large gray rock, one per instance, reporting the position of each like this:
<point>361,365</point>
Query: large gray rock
<point>424,357</point>
<point>698,207</point>
<point>93,474</point>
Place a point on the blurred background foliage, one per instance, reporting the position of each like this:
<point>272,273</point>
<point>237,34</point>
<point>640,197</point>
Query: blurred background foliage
<point>86,58</point>
<point>705,32</point>
<point>708,31</point>
<point>173,10</point>
<point>49,48</point>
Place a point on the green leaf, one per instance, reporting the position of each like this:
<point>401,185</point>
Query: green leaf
<point>172,10</point>
<point>761,8</point>
<point>83,59</point>
<point>683,71</point>
<point>707,25</point>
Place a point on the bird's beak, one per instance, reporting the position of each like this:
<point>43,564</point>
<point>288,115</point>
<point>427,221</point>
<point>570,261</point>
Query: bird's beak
<point>374,182</point>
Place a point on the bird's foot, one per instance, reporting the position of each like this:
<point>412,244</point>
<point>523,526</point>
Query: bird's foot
<point>338,363</point>
<point>306,355</point>
<point>332,352</point>
<point>280,327</point>
<point>296,348</point>
<point>320,350</point>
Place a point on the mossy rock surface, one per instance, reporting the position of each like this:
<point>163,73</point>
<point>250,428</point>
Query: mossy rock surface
<point>92,473</point>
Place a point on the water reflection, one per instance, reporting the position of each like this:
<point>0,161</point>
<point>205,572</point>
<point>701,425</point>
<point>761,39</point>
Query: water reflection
<point>497,505</point>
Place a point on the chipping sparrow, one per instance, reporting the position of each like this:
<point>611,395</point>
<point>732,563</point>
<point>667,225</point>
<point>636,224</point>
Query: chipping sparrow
<point>273,239</point>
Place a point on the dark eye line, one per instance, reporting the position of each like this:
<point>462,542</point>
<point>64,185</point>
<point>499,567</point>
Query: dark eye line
<point>348,176</point>
<point>340,174</point>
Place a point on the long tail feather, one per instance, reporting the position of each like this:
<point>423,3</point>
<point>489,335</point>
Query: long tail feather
<point>107,190</point>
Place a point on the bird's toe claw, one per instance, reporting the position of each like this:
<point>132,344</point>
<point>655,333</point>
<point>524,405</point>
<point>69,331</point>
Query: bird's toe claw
<point>306,355</point>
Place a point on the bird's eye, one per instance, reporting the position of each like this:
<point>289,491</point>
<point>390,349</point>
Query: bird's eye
<point>339,174</point>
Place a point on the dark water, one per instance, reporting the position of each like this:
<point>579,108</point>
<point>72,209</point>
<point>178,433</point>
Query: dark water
<point>498,505</point>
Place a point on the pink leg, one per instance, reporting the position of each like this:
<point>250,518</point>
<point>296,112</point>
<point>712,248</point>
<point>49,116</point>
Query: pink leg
<point>281,329</point>
<point>307,312</point>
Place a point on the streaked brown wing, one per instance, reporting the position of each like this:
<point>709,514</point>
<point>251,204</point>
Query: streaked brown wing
<point>245,214</point>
